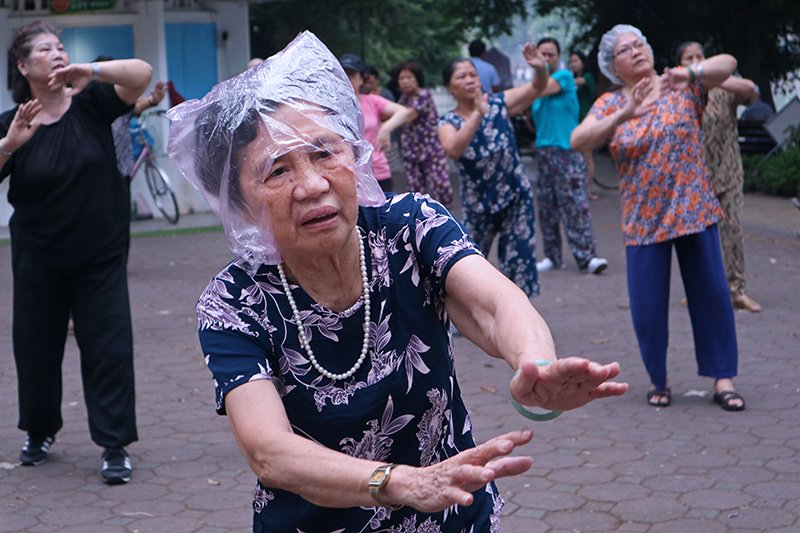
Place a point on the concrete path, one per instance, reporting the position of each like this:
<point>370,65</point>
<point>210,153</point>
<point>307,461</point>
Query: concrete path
<point>616,465</point>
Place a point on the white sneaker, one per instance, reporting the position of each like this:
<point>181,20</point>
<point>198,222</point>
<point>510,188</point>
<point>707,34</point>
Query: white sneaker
<point>544,265</point>
<point>597,265</point>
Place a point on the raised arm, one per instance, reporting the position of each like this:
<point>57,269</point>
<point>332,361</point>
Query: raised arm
<point>744,89</point>
<point>593,132</point>
<point>129,76</point>
<point>455,141</point>
<point>711,72</point>
<point>519,99</point>
<point>393,116</point>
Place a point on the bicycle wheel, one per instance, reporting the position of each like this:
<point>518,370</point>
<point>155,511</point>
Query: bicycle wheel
<point>161,191</point>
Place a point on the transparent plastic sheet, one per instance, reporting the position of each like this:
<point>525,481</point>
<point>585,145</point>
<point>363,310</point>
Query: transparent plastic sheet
<point>258,111</point>
<point>605,53</point>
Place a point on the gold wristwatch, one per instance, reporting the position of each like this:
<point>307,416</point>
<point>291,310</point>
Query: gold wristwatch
<point>377,480</point>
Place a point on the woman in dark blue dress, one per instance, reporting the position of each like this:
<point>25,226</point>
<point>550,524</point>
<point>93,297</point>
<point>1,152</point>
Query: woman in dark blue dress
<point>328,336</point>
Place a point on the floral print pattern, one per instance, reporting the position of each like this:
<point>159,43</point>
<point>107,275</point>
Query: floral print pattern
<point>423,157</point>
<point>664,181</point>
<point>496,195</point>
<point>402,406</point>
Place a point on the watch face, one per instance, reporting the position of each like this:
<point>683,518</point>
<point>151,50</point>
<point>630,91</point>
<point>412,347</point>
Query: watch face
<point>378,476</point>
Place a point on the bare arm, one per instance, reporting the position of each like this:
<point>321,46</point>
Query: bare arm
<point>455,141</point>
<point>393,116</point>
<point>330,478</point>
<point>593,132</point>
<point>711,72</point>
<point>743,88</point>
<point>497,316</point>
<point>519,99</point>
<point>129,76</point>
<point>143,103</point>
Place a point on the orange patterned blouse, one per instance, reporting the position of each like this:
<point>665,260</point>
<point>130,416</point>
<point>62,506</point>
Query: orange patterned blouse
<point>664,181</point>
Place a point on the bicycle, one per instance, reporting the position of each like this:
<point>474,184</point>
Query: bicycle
<point>158,181</point>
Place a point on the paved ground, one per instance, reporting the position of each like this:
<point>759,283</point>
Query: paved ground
<point>614,465</point>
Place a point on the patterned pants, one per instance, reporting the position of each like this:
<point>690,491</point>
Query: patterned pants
<point>516,226</point>
<point>730,236</point>
<point>561,197</point>
<point>432,177</point>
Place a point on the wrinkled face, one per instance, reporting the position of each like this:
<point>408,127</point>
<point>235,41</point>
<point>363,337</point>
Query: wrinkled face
<point>407,82</point>
<point>299,176</point>
<point>633,58</point>
<point>464,83</point>
<point>575,64</point>
<point>551,55</point>
<point>692,54</point>
<point>47,55</point>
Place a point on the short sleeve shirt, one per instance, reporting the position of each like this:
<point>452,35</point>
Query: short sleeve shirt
<point>402,406</point>
<point>664,181</point>
<point>372,107</point>
<point>492,174</point>
<point>70,202</point>
<point>487,74</point>
<point>557,115</point>
<point>418,138</point>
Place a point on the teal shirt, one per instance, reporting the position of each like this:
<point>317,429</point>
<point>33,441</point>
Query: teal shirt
<point>557,115</point>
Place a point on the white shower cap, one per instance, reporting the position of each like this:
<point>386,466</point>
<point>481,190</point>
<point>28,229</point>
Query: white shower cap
<point>207,136</point>
<point>605,56</point>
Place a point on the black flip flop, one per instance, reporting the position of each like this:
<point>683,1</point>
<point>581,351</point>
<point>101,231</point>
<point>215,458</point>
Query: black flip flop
<point>666,395</point>
<point>726,399</point>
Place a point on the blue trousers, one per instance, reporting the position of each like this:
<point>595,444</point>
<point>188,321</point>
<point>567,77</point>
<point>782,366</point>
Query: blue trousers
<point>710,308</point>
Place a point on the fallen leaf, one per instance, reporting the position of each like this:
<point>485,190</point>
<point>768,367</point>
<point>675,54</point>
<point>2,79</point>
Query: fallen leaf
<point>489,389</point>
<point>601,340</point>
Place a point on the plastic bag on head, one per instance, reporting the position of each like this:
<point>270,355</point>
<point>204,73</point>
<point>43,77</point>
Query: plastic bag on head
<point>208,137</point>
<point>605,54</point>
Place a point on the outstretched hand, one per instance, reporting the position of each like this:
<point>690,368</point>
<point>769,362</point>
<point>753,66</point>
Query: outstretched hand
<point>452,481</point>
<point>565,384</point>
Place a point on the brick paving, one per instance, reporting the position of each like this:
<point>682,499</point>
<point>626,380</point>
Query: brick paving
<point>616,465</point>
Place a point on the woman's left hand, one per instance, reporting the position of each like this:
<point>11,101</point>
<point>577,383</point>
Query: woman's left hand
<point>675,78</point>
<point>75,77</point>
<point>533,57</point>
<point>565,384</point>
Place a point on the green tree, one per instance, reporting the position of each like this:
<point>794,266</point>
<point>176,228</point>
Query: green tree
<point>383,33</point>
<point>763,35</point>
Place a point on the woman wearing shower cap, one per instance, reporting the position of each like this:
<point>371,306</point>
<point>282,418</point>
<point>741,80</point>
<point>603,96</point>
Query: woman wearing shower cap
<point>654,128</point>
<point>328,336</point>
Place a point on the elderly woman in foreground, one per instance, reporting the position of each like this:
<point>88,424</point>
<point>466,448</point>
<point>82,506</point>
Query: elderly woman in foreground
<point>653,125</point>
<point>328,335</point>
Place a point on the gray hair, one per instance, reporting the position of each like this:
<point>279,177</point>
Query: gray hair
<point>605,56</point>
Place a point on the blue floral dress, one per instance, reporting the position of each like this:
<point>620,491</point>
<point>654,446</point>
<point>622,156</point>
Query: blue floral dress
<point>402,406</point>
<point>496,196</point>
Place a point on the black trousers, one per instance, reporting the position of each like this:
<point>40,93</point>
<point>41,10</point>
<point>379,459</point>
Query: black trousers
<point>96,295</point>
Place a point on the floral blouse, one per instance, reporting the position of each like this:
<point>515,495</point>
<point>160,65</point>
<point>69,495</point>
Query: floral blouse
<point>491,171</point>
<point>402,406</point>
<point>664,181</point>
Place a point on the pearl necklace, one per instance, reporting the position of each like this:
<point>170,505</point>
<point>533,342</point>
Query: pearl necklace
<point>301,333</point>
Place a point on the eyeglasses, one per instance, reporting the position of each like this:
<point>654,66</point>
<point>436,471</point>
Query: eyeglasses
<point>628,49</point>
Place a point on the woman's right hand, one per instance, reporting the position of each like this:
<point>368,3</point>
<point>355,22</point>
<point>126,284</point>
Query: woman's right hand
<point>452,481</point>
<point>24,125</point>
<point>482,103</point>
<point>635,106</point>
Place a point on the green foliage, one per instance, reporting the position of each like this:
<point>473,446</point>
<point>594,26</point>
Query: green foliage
<point>383,33</point>
<point>779,175</point>
<point>762,35</point>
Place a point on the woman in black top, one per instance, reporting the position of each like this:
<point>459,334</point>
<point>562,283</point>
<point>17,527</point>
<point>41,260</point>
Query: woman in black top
<point>69,235</point>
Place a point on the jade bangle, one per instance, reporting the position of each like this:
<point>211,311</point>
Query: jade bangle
<point>530,415</point>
